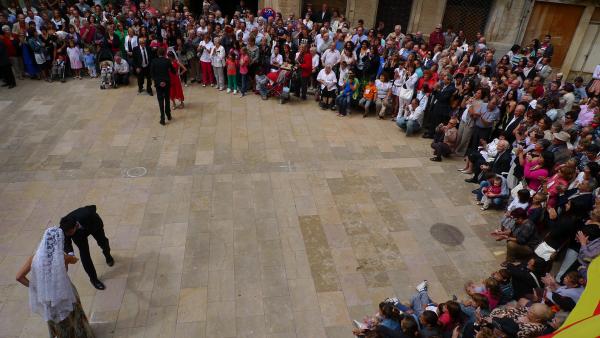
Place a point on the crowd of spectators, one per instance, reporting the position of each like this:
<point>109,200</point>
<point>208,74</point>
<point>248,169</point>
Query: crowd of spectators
<point>528,138</point>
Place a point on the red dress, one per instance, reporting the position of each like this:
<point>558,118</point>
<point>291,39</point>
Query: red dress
<point>176,91</point>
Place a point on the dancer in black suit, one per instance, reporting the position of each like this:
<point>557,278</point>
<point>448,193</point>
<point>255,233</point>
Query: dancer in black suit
<point>160,74</point>
<point>77,226</point>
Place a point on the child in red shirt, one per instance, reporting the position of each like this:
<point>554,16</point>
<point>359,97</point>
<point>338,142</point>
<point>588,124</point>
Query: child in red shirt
<point>491,192</point>
<point>232,67</point>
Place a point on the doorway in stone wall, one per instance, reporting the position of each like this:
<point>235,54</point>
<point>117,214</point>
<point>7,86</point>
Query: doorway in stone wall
<point>392,13</point>
<point>469,16</point>
<point>338,5</point>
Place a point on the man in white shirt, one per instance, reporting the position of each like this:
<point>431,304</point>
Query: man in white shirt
<point>328,82</point>
<point>331,56</point>
<point>35,18</point>
<point>121,71</point>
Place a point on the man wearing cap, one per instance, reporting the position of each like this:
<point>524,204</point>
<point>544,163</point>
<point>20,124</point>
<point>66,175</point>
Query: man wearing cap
<point>559,147</point>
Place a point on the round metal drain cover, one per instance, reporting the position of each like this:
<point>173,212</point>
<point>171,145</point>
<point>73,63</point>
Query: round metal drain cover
<point>136,172</point>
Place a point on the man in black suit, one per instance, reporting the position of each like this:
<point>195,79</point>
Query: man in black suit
<point>473,58</point>
<point>142,59</point>
<point>160,74</point>
<point>501,163</point>
<point>323,15</point>
<point>77,226</point>
<point>513,123</point>
<point>440,112</point>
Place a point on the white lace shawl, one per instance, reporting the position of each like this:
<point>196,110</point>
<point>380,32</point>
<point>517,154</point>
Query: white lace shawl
<point>50,291</point>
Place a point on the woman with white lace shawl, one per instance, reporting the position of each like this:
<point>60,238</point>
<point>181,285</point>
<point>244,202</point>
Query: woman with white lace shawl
<point>51,293</point>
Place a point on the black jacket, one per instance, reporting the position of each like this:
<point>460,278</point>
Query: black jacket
<point>137,56</point>
<point>442,103</point>
<point>159,70</point>
<point>88,218</point>
<point>321,17</point>
<point>501,163</point>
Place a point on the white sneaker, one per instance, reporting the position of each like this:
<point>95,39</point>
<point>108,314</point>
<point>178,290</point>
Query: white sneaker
<point>235,92</point>
<point>422,286</point>
<point>228,90</point>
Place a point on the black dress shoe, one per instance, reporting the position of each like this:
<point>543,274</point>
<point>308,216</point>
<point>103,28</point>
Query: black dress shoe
<point>162,122</point>
<point>150,93</point>
<point>169,117</point>
<point>436,159</point>
<point>471,180</point>
<point>110,261</point>
<point>98,284</point>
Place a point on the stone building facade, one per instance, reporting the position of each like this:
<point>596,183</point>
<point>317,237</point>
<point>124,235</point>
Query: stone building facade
<point>505,22</point>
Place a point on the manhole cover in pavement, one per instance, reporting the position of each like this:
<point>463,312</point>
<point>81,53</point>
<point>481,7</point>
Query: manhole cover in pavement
<point>136,172</point>
<point>447,234</point>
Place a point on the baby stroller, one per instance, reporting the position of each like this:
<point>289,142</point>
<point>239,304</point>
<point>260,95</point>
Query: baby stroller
<point>58,69</point>
<point>279,84</point>
<point>107,79</point>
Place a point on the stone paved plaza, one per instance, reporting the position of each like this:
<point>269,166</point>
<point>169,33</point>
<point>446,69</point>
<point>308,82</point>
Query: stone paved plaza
<point>253,219</point>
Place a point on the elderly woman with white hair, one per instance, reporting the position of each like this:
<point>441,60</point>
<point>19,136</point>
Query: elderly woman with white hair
<point>51,293</point>
<point>328,82</point>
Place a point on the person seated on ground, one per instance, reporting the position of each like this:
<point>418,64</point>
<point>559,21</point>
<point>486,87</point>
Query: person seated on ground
<point>121,71</point>
<point>531,321</point>
<point>505,283</point>
<point>520,201</point>
<point>445,140</point>
<point>491,191</point>
<point>369,95</point>
<point>477,303</point>
<point>564,296</point>
<point>489,288</point>
<point>521,237</point>
<point>328,82</point>
<point>412,118</point>
<point>429,325</point>
<point>261,81</point>
<point>487,183</point>
<point>526,277</point>
<point>500,164</point>
<point>388,317</point>
<point>344,98</point>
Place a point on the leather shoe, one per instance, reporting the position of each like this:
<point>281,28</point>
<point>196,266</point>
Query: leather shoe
<point>98,284</point>
<point>162,122</point>
<point>110,261</point>
<point>471,180</point>
<point>150,93</point>
<point>169,117</point>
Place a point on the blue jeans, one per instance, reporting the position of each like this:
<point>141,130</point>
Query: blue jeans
<point>343,104</point>
<point>479,192</point>
<point>244,83</point>
<point>410,126</point>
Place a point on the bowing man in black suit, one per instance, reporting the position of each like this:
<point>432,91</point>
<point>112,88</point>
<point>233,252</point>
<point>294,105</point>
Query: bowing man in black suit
<point>323,15</point>
<point>160,74</point>
<point>142,59</point>
<point>77,226</point>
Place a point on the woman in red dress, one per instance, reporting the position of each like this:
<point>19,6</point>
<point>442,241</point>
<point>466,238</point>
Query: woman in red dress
<point>176,91</point>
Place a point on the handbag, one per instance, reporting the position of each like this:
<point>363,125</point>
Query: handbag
<point>545,251</point>
<point>40,59</point>
<point>405,93</point>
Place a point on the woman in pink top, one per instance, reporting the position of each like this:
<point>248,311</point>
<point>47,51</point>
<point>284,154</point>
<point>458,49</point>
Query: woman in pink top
<point>558,184</point>
<point>536,169</point>
<point>244,63</point>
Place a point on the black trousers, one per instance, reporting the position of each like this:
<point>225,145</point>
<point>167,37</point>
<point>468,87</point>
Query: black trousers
<point>81,240</point>
<point>144,74</point>
<point>122,79</point>
<point>6,73</point>
<point>303,87</point>
<point>164,103</point>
